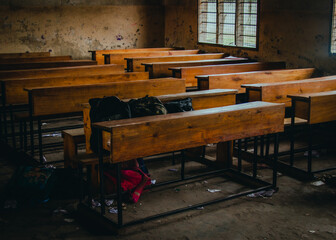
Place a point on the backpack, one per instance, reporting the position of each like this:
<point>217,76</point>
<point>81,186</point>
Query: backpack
<point>30,184</point>
<point>182,105</point>
<point>106,109</point>
<point>146,106</point>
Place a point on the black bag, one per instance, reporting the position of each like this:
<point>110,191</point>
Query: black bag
<point>182,105</point>
<point>106,109</point>
<point>146,106</point>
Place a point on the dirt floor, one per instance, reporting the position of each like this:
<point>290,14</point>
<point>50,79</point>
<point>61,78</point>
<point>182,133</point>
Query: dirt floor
<point>299,210</point>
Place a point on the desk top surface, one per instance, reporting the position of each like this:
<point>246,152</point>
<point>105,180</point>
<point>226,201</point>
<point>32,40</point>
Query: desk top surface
<point>311,95</point>
<point>109,125</point>
<point>305,81</point>
<point>194,94</point>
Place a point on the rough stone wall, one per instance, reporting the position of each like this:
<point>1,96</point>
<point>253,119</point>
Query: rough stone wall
<point>297,32</point>
<point>72,27</point>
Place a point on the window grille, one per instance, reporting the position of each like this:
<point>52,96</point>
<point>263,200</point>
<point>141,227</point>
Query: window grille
<point>228,22</point>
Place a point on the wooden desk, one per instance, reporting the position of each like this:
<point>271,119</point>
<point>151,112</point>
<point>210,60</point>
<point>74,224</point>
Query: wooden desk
<point>34,65</point>
<point>97,55</point>
<point>14,93</point>
<point>319,107</point>
<point>315,107</point>
<point>189,73</point>
<point>55,102</point>
<point>146,136</point>
<point>277,92</point>
<point>24,55</point>
<point>119,58</point>
<point>130,138</point>
<point>235,80</point>
<point>35,59</point>
<point>161,69</point>
<point>200,100</point>
<point>63,71</point>
<point>135,63</point>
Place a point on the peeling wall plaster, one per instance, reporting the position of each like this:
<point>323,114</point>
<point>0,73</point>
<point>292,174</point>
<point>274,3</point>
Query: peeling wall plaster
<point>75,28</point>
<point>296,32</point>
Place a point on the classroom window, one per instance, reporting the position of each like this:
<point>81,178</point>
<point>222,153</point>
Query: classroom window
<point>228,22</point>
<point>333,29</point>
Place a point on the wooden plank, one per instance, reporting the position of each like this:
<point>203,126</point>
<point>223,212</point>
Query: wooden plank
<point>119,58</point>
<point>161,69</point>
<point>315,107</point>
<point>189,73</point>
<point>234,80</point>
<point>277,92</point>
<point>24,55</point>
<point>61,100</point>
<point>63,71</point>
<point>97,55</point>
<point>136,63</point>
<point>15,94</point>
<point>35,59</point>
<point>34,65</point>
<point>130,138</point>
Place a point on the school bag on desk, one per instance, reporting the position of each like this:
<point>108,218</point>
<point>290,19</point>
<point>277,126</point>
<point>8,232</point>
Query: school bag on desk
<point>106,109</point>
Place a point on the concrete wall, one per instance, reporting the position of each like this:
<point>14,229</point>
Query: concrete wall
<point>295,31</point>
<point>72,27</point>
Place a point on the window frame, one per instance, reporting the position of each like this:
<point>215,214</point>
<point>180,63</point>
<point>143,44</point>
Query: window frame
<point>256,48</point>
<point>332,12</point>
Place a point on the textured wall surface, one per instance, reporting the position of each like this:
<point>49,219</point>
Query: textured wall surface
<point>72,27</point>
<point>297,32</point>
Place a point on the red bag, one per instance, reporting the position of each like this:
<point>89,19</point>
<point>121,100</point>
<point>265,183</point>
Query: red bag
<point>130,179</point>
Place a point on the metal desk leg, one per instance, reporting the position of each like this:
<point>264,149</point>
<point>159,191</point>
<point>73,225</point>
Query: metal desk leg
<point>25,136</point>
<point>310,148</point>
<point>255,155</point>
<point>119,195</point>
<point>21,134</point>
<point>12,126</point>
<point>182,164</point>
<point>275,159</point>
<point>239,155</point>
<point>39,125</point>
<point>101,172</point>
<point>292,132</point>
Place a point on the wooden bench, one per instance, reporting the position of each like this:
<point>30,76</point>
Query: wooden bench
<point>277,92</point>
<point>135,63</point>
<point>119,58</point>
<point>53,102</point>
<point>24,55</point>
<point>234,80</point>
<point>97,55</point>
<point>141,137</point>
<point>189,73</point>
<point>315,108</point>
<point>35,59</point>
<point>161,69</point>
<point>63,71</point>
<point>34,65</point>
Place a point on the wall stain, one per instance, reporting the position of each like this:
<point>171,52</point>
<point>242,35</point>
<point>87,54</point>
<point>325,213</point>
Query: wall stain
<point>119,37</point>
